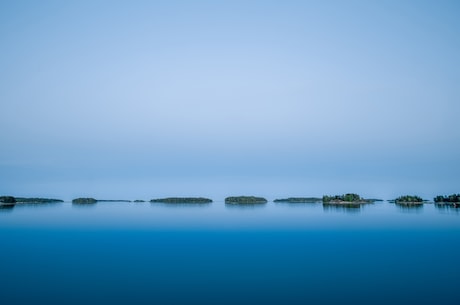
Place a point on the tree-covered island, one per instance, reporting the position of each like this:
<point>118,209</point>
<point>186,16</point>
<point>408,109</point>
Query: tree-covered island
<point>298,200</point>
<point>245,200</point>
<point>7,200</point>
<point>182,200</point>
<point>84,201</point>
<point>92,200</point>
<point>346,199</point>
<point>19,200</point>
<point>408,200</point>
<point>37,200</point>
<point>447,201</point>
<point>454,198</point>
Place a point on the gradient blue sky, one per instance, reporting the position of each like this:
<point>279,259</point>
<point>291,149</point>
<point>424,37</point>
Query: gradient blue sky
<point>157,98</point>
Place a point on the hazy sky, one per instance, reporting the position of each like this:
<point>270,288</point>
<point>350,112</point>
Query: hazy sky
<point>274,98</point>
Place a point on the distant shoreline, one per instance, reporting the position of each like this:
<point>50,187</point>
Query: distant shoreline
<point>346,199</point>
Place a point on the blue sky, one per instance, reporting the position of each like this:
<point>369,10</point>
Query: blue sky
<point>153,98</point>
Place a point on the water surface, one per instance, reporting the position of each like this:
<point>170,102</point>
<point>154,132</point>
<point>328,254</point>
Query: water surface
<point>277,253</point>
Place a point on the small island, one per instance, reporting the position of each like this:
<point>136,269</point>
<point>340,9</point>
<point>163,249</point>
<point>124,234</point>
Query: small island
<point>375,200</point>
<point>346,199</point>
<point>92,200</point>
<point>449,201</point>
<point>25,200</point>
<point>7,200</point>
<point>84,201</point>
<point>245,200</point>
<point>408,200</point>
<point>454,198</point>
<point>182,200</point>
<point>298,200</point>
<point>37,200</point>
<point>139,200</point>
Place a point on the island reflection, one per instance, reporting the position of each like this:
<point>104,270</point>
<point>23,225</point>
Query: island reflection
<point>448,207</point>
<point>6,208</point>
<point>410,208</point>
<point>181,204</point>
<point>348,208</point>
<point>83,205</point>
<point>245,206</point>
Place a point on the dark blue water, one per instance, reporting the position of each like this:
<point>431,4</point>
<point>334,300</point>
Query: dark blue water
<point>142,253</point>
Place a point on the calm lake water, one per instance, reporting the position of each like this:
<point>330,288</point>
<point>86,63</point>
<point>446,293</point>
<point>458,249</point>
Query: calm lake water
<point>143,253</point>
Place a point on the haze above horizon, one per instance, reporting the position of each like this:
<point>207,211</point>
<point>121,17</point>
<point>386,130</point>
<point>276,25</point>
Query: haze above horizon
<point>172,98</point>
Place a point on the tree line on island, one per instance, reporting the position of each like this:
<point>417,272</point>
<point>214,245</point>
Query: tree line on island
<point>182,200</point>
<point>454,198</point>
<point>14,200</point>
<point>409,199</point>
<point>298,200</point>
<point>348,198</point>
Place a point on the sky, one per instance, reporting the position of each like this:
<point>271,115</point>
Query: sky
<point>142,99</point>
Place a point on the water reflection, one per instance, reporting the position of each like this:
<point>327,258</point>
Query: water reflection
<point>6,208</point>
<point>83,205</point>
<point>413,207</point>
<point>182,204</point>
<point>297,204</point>
<point>38,204</point>
<point>245,206</point>
<point>342,207</point>
<point>448,207</point>
<point>29,205</point>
